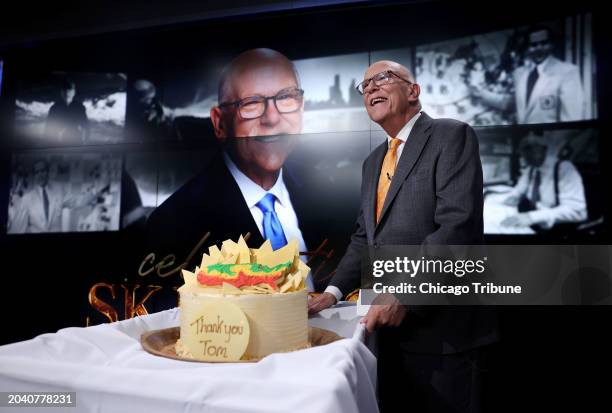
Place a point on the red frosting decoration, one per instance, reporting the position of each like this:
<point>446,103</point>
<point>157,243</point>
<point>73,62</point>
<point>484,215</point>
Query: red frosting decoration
<point>239,281</point>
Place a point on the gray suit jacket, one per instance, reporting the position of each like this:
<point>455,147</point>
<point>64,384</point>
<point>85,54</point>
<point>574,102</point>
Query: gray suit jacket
<point>435,198</point>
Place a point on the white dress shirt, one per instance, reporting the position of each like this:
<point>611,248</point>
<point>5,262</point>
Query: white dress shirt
<point>253,193</point>
<point>402,135</point>
<point>540,66</point>
<point>572,204</point>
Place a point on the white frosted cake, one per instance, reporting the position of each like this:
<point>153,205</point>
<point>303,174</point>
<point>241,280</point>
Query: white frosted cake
<point>268,286</point>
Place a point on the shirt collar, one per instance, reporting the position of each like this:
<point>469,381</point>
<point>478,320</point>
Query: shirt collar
<point>543,65</point>
<point>405,131</point>
<point>252,192</point>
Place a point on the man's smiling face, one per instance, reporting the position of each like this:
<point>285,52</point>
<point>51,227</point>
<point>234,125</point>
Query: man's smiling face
<point>390,100</point>
<point>251,144</point>
<point>259,145</point>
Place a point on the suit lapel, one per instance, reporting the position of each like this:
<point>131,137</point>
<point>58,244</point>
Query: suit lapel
<point>539,87</point>
<point>236,217</point>
<point>410,154</point>
<point>373,173</point>
<point>521,91</point>
<point>302,204</point>
<point>54,204</point>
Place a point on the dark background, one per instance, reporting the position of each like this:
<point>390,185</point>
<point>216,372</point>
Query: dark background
<point>550,357</point>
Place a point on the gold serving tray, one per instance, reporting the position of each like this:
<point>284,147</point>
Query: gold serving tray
<point>162,343</point>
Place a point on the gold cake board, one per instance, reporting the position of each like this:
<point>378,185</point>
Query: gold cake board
<point>162,343</point>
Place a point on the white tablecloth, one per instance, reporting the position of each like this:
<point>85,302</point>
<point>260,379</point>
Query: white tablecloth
<point>110,372</point>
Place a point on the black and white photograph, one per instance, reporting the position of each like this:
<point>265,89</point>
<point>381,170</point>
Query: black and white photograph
<point>53,192</point>
<point>147,116</point>
<point>70,109</point>
<point>541,181</point>
<point>331,102</point>
<point>528,75</point>
<point>172,107</point>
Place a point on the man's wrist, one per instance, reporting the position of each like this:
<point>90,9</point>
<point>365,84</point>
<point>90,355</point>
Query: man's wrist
<point>335,291</point>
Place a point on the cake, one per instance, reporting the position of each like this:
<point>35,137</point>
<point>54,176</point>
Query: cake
<point>267,286</point>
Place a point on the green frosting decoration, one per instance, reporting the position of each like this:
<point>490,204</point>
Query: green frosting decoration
<point>227,269</point>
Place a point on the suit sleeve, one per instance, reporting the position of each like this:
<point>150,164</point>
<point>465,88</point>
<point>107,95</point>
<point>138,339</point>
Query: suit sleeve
<point>18,218</point>
<point>458,215</point>
<point>572,99</point>
<point>496,100</point>
<point>348,272</point>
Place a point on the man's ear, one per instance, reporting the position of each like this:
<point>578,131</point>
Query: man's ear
<point>416,91</point>
<point>216,116</point>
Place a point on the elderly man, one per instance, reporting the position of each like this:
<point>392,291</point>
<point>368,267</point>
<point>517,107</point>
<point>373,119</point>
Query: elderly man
<point>422,186</point>
<point>244,188</point>
<point>549,190</point>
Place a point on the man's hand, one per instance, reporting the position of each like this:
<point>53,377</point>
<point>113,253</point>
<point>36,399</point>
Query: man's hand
<point>518,220</point>
<point>321,302</point>
<point>386,310</point>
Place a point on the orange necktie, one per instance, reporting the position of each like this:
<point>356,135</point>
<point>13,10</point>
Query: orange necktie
<point>386,174</point>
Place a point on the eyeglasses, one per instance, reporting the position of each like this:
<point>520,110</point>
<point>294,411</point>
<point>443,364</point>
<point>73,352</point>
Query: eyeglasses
<point>286,101</point>
<point>379,79</point>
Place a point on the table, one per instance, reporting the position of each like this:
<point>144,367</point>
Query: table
<point>495,212</point>
<point>110,372</point>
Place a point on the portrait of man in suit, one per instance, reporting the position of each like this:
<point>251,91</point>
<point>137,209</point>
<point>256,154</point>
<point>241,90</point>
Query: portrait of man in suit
<point>40,209</point>
<point>546,89</point>
<point>423,185</point>
<point>245,187</point>
<point>549,90</point>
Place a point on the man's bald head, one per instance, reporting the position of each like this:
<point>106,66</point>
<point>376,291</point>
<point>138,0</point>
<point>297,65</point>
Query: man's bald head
<point>246,63</point>
<point>383,65</point>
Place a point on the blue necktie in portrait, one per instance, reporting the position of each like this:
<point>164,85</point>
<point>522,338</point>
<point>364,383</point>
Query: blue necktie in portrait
<point>272,229</point>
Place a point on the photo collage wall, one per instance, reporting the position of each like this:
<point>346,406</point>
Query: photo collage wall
<point>530,93</point>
